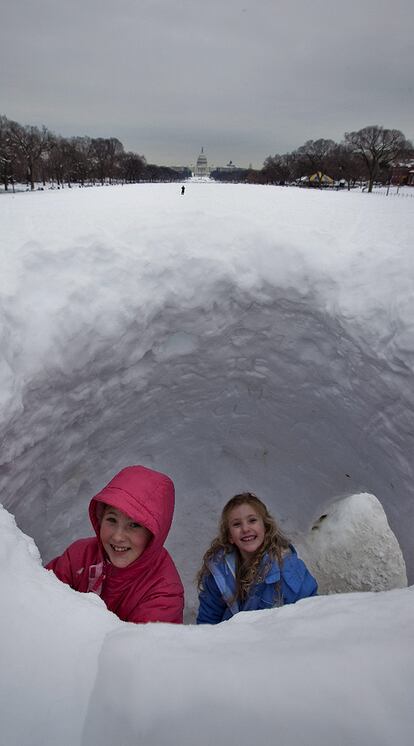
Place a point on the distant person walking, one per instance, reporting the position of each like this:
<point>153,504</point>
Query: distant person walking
<point>182,189</point>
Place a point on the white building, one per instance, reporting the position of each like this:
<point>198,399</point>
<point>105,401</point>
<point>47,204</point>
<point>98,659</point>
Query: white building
<point>228,168</point>
<point>201,168</point>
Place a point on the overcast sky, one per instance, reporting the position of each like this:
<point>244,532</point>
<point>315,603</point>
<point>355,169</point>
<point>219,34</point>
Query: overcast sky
<point>243,78</point>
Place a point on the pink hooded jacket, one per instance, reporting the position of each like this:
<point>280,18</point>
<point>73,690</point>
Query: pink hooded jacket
<point>149,589</point>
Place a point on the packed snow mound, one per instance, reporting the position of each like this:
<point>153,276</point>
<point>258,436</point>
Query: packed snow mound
<point>352,548</point>
<point>328,670</point>
<point>333,670</point>
<point>50,639</point>
<point>237,338</point>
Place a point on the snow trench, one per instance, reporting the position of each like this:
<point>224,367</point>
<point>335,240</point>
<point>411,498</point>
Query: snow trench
<point>262,391</point>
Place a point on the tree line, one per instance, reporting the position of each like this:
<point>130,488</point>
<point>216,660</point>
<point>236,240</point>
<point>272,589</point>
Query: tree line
<point>30,154</point>
<point>371,154</point>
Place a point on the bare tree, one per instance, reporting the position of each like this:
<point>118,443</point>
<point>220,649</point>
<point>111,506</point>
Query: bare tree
<point>132,167</point>
<point>277,169</point>
<point>58,162</point>
<point>81,162</point>
<point>344,165</point>
<point>314,156</point>
<point>6,153</point>
<point>98,158</point>
<point>377,147</point>
<point>106,154</point>
<point>115,151</point>
<point>30,143</point>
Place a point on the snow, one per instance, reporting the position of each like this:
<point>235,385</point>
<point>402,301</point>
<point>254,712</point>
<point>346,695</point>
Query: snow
<point>308,674</point>
<point>50,639</point>
<point>238,337</point>
<point>351,547</point>
<point>331,670</point>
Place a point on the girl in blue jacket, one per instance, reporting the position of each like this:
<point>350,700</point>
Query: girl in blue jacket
<point>250,564</point>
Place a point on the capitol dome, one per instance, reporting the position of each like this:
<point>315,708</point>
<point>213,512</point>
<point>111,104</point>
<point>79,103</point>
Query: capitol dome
<point>201,166</point>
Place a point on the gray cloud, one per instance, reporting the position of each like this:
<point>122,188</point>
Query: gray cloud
<point>244,78</point>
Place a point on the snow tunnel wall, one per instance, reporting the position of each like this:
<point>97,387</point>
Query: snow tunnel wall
<point>242,373</point>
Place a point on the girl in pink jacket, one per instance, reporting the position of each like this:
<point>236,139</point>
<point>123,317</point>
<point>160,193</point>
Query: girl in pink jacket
<point>126,563</point>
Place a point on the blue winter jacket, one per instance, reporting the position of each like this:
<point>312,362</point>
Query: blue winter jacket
<point>284,585</point>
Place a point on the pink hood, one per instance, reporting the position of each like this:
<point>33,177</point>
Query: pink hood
<point>145,495</point>
<point>149,589</point>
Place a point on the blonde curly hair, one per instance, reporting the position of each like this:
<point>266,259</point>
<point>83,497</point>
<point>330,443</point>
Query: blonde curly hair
<point>248,572</point>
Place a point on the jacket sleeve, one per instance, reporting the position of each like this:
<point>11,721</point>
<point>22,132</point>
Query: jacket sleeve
<point>212,605</point>
<point>164,605</point>
<point>297,582</point>
<point>72,567</point>
<point>62,567</point>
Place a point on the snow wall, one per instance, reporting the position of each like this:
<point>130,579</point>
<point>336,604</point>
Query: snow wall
<point>237,338</point>
<point>334,670</point>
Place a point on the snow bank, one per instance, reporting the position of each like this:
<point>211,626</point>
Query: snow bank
<point>331,670</point>
<point>50,638</point>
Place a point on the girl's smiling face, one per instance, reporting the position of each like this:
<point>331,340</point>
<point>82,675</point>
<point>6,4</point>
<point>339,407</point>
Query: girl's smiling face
<point>123,539</point>
<point>246,529</point>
